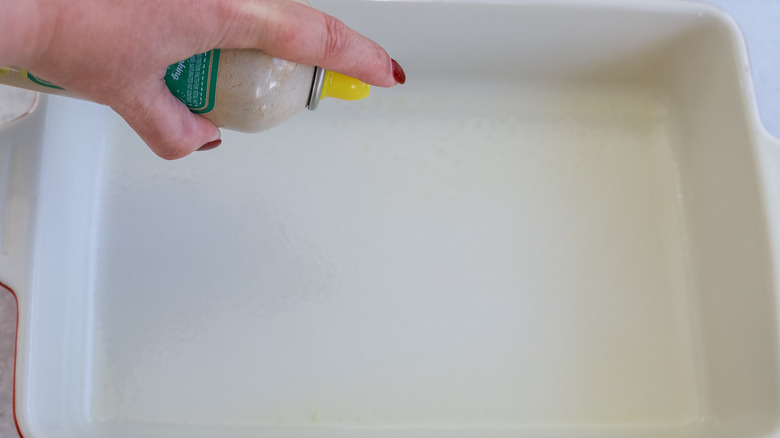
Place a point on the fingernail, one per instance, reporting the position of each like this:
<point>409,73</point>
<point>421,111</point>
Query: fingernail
<point>210,145</point>
<point>398,72</point>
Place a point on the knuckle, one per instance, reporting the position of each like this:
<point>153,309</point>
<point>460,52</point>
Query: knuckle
<point>336,41</point>
<point>171,148</point>
<point>167,143</point>
<point>159,123</point>
<point>238,22</point>
<point>171,151</point>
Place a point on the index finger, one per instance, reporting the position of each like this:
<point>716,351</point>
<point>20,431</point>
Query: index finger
<point>299,33</point>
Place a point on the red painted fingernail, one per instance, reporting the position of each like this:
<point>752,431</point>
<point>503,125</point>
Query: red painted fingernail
<point>210,145</point>
<point>398,72</point>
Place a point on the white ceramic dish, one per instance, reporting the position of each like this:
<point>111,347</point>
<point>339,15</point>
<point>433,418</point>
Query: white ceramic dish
<point>559,227</point>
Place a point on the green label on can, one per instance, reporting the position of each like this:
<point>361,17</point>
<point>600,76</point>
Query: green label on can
<point>194,81</point>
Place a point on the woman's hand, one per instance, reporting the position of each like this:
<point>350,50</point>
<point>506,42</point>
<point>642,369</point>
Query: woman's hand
<point>115,52</point>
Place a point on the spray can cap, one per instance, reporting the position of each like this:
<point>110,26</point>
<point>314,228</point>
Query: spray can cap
<point>328,83</point>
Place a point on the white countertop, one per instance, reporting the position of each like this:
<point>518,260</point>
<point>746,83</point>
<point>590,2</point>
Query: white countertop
<point>757,18</point>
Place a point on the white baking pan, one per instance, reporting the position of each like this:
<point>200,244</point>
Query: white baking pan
<point>563,225</point>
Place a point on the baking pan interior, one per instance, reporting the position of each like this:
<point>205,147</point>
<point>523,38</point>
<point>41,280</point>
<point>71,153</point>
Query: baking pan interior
<point>553,229</point>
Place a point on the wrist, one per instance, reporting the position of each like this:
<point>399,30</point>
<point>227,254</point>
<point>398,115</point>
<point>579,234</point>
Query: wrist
<point>27,27</point>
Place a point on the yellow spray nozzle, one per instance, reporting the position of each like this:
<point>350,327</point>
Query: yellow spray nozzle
<point>343,87</point>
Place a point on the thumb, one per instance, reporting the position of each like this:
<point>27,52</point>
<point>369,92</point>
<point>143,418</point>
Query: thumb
<point>165,124</point>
